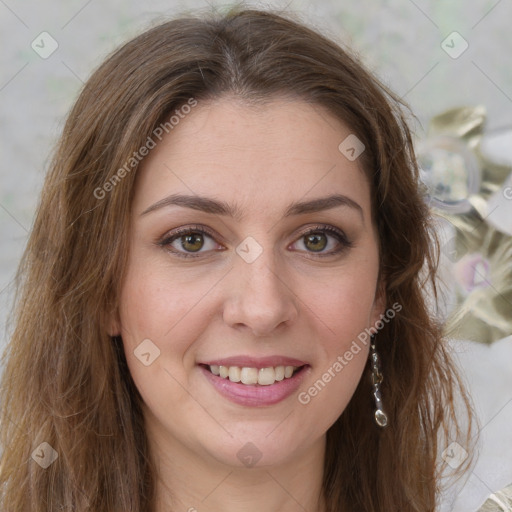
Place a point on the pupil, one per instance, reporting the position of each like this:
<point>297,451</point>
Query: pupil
<point>193,239</point>
<point>315,238</point>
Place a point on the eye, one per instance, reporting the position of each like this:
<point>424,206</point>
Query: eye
<point>190,239</point>
<point>317,239</point>
<point>188,242</point>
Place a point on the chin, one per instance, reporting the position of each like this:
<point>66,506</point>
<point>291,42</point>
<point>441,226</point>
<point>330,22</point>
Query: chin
<point>258,450</point>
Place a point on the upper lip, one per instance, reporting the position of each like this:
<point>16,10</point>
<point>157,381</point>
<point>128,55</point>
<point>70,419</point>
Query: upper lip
<point>255,362</point>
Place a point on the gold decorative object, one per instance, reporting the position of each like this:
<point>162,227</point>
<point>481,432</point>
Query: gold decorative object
<point>460,180</point>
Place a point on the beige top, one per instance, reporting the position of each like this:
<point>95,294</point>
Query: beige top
<point>500,501</point>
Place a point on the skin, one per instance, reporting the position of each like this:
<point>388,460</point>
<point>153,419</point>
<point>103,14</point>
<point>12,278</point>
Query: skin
<point>289,301</point>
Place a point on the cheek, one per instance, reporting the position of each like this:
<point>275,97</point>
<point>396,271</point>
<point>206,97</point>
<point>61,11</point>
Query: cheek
<point>162,313</point>
<point>159,322</point>
<point>332,386</point>
<point>158,303</point>
<point>342,303</point>
<point>341,308</point>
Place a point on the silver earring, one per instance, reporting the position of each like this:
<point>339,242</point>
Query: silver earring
<point>380,416</point>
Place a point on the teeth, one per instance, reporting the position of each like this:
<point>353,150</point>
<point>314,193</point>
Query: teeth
<point>266,376</point>
<point>249,376</point>
<point>235,374</point>
<point>252,376</point>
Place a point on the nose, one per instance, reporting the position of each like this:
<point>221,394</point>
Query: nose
<point>260,297</point>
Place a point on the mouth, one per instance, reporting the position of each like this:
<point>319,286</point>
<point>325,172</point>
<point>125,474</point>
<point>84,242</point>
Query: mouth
<point>252,386</point>
<point>252,376</point>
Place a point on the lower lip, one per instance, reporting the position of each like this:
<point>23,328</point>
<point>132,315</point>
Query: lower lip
<point>256,395</point>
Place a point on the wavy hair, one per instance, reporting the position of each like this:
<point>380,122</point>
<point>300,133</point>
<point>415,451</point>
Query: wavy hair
<point>66,382</point>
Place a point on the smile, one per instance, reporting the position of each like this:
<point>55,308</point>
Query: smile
<point>255,387</point>
<point>253,376</point>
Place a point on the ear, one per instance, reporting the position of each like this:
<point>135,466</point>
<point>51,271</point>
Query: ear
<point>379,304</point>
<point>113,323</point>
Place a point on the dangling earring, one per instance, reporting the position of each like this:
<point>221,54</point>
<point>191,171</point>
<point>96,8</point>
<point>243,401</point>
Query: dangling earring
<point>381,417</point>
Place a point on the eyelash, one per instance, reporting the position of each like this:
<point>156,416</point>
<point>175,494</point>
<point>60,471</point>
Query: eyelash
<point>167,240</point>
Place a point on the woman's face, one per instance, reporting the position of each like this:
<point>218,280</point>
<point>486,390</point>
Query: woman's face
<point>255,290</point>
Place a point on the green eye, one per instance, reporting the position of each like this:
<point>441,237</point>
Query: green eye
<point>318,241</point>
<point>188,242</point>
<point>192,242</point>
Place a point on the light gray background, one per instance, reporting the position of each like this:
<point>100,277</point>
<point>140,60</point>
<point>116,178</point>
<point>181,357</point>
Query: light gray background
<point>399,39</point>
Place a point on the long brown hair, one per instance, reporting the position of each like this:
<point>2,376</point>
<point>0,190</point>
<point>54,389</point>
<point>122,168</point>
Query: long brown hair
<point>66,382</point>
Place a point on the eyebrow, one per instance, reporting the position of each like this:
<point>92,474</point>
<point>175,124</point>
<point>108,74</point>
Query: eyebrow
<point>209,205</point>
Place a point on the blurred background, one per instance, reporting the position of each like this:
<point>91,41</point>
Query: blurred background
<point>450,61</point>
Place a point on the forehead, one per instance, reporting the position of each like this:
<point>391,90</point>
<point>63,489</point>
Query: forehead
<point>257,157</point>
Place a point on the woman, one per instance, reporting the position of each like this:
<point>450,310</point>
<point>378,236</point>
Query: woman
<point>221,302</point>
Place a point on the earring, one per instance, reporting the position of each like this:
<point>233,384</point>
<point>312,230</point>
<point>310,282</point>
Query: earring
<point>381,417</point>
